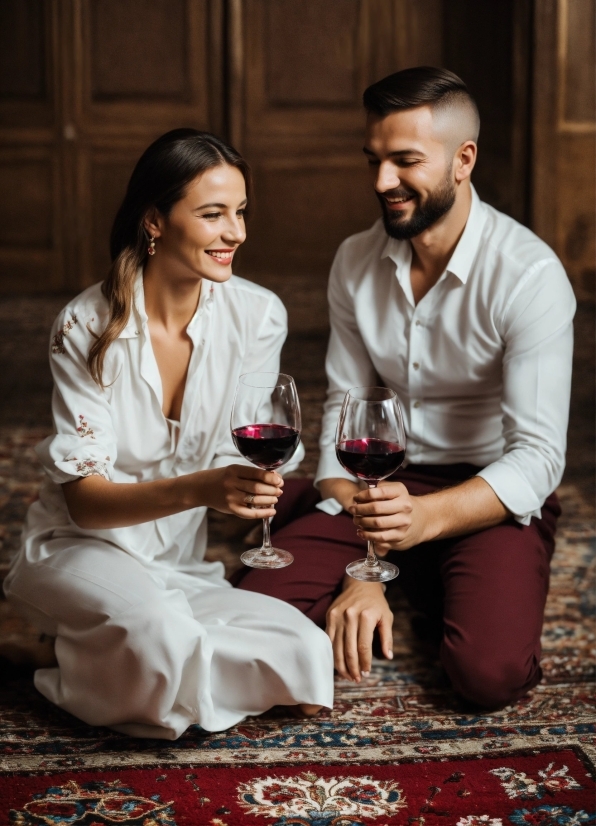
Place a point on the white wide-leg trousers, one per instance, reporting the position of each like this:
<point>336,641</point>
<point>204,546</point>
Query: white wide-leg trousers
<point>149,651</point>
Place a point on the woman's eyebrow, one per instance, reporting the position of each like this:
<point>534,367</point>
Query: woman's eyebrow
<point>220,206</point>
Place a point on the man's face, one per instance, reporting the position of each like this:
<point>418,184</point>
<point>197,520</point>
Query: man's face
<point>411,170</point>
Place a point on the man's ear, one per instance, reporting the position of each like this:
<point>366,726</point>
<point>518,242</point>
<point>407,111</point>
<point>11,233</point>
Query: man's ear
<point>464,161</point>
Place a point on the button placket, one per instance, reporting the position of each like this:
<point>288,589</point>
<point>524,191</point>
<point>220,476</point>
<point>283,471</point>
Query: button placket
<point>415,365</point>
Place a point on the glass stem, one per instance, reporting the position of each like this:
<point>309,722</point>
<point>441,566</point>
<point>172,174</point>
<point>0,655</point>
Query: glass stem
<point>266,547</point>
<point>371,557</point>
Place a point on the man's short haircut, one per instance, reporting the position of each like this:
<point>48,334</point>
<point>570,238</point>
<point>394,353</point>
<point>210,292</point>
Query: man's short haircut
<point>419,86</point>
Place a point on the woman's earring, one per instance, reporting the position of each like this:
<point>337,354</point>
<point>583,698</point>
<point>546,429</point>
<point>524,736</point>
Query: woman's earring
<point>151,247</point>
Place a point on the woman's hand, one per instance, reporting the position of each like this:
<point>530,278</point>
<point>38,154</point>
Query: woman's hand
<point>245,491</point>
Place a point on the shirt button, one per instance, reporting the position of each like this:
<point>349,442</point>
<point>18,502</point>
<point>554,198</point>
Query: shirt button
<point>416,366</point>
<point>417,404</point>
<point>418,324</point>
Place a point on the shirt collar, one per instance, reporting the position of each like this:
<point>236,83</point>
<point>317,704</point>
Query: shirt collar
<point>463,256</point>
<point>137,320</point>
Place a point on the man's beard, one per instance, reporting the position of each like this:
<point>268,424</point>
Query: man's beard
<point>438,203</point>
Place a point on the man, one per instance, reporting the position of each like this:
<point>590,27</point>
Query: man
<point>467,315</point>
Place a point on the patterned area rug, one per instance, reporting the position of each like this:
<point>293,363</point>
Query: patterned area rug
<point>398,748</point>
<point>550,788</point>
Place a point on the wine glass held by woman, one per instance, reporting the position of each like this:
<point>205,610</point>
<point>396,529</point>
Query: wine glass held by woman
<point>265,428</point>
<point>371,444</point>
<point>150,636</point>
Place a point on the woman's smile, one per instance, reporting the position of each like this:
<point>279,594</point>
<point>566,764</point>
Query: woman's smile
<point>222,256</point>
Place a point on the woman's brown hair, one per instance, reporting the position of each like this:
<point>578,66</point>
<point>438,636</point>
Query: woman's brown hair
<point>158,181</point>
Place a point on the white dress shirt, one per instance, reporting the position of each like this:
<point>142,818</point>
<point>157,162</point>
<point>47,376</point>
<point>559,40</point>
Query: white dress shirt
<point>121,432</point>
<point>481,365</point>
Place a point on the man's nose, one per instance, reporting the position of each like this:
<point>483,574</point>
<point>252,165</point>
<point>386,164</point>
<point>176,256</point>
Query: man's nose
<point>387,177</point>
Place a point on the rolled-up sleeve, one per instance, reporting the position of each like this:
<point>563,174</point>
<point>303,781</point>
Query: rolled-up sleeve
<point>84,441</point>
<point>348,365</point>
<point>263,355</point>
<point>537,331</point>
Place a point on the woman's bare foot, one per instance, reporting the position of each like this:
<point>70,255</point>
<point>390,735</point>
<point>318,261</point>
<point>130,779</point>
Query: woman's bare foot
<point>305,710</point>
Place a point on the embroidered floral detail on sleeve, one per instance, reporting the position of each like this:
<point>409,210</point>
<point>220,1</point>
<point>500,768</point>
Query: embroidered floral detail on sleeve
<point>58,340</point>
<point>91,467</point>
<point>83,429</point>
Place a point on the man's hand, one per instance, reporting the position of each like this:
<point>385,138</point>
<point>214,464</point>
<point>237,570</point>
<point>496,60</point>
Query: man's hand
<point>394,520</point>
<point>390,517</point>
<point>351,621</point>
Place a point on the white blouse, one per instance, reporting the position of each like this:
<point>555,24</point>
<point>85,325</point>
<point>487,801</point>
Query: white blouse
<point>121,433</point>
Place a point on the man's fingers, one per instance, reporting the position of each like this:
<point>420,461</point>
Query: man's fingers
<point>351,647</point>
<point>366,629</point>
<point>389,490</point>
<point>382,523</point>
<point>376,508</point>
<point>386,636</point>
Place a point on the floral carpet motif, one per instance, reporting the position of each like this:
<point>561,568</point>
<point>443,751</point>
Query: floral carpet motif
<point>550,789</point>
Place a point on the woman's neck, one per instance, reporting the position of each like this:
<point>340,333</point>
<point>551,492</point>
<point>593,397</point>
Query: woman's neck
<point>170,302</point>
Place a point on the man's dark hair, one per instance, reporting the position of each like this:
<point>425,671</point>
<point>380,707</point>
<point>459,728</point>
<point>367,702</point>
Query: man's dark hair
<point>418,86</point>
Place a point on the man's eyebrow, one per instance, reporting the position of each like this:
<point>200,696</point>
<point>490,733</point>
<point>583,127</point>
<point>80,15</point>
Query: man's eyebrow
<point>398,153</point>
<point>220,206</point>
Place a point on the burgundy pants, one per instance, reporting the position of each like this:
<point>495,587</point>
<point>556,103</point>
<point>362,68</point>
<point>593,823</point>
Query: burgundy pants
<point>482,596</point>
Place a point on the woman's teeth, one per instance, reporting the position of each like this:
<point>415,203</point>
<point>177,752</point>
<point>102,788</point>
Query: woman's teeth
<point>224,257</point>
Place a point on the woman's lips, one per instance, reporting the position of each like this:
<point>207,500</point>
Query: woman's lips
<point>223,257</point>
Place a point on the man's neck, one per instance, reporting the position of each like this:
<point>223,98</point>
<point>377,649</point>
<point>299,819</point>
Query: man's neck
<point>432,249</point>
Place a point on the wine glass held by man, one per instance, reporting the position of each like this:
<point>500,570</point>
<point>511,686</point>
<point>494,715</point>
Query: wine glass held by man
<point>371,444</point>
<point>150,638</point>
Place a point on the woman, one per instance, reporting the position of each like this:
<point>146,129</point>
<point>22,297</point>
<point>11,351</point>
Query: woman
<point>150,638</point>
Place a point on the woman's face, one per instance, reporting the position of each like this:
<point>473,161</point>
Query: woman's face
<point>205,228</point>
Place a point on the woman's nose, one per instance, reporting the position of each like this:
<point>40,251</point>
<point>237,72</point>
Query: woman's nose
<point>235,231</point>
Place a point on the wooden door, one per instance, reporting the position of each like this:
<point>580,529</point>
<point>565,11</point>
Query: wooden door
<point>31,157</point>
<point>564,136</point>
<point>85,86</point>
<point>298,72</point>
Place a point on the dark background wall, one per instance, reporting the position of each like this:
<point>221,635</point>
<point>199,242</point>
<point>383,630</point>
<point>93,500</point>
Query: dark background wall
<point>85,85</point>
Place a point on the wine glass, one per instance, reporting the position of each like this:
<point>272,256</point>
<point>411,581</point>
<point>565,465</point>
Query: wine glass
<point>371,444</point>
<point>266,426</point>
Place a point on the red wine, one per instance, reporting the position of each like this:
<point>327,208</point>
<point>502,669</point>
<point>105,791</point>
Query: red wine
<point>266,445</point>
<point>370,459</point>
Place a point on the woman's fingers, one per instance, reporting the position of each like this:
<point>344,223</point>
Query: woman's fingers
<point>246,512</point>
<point>268,477</point>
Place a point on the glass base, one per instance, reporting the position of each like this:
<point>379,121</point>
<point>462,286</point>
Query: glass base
<point>381,572</point>
<point>275,558</point>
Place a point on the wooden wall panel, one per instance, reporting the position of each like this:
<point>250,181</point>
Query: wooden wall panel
<point>306,41</point>
<point>564,156</point>
<point>31,191</point>
<point>577,55</point>
<point>30,248</point>
<point>150,65</point>
<point>298,72</point>
<point>22,50</point>
<point>141,68</point>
